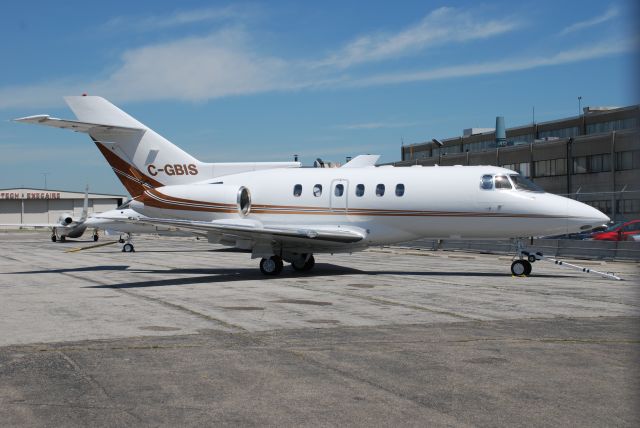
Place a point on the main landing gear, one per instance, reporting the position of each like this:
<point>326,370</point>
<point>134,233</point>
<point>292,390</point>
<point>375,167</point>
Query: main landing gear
<point>273,265</point>
<point>95,236</point>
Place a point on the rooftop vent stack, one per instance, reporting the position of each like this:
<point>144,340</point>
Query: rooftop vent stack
<point>501,133</point>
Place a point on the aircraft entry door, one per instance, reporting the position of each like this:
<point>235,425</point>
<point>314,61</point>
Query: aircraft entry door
<point>339,195</point>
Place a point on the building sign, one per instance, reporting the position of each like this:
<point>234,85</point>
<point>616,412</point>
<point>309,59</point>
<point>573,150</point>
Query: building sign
<point>29,195</point>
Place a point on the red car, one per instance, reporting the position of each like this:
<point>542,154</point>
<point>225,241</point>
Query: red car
<point>619,232</point>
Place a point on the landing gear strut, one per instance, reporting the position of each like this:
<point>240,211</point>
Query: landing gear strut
<point>271,266</point>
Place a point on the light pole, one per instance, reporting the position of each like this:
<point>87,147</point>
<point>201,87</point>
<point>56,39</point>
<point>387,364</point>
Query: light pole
<point>45,179</point>
<point>579,105</point>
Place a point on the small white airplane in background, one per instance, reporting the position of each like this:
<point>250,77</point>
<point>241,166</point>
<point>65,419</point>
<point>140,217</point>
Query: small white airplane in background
<point>114,222</point>
<point>67,226</point>
<point>288,214</point>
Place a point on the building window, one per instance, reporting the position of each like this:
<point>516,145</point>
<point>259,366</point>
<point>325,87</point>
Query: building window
<point>593,163</point>
<point>360,190</point>
<point>612,125</point>
<point>317,190</point>
<point>627,206</point>
<point>560,133</point>
<point>339,190</point>
<point>399,190</point>
<point>550,167</point>
<point>380,190</point>
<point>627,160</point>
<point>297,190</point>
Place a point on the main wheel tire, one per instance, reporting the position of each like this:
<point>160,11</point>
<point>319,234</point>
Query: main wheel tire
<point>271,266</point>
<point>54,238</point>
<point>521,268</point>
<point>95,237</point>
<point>128,248</point>
<point>305,266</point>
<point>63,238</point>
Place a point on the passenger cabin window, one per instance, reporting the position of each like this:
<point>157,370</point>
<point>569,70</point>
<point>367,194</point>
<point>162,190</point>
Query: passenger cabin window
<point>399,189</point>
<point>297,190</point>
<point>486,182</point>
<point>317,190</point>
<point>380,190</point>
<point>360,190</point>
<point>502,182</point>
<point>339,190</point>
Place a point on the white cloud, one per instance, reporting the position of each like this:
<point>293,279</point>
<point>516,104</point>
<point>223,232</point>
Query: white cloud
<point>443,25</point>
<point>611,13</point>
<point>225,63</point>
<point>502,66</point>
<point>177,19</point>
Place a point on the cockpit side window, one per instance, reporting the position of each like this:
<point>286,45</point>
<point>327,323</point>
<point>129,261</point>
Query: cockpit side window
<point>486,182</point>
<point>502,182</point>
<point>522,183</point>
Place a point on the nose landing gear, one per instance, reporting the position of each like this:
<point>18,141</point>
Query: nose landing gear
<point>521,268</point>
<point>128,246</point>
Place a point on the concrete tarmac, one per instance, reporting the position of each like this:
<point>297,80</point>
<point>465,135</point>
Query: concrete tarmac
<point>183,332</point>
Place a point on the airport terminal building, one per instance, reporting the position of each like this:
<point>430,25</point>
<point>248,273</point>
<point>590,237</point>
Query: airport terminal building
<point>594,157</point>
<point>24,205</point>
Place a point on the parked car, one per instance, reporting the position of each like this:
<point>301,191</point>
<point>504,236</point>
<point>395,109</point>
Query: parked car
<point>619,232</point>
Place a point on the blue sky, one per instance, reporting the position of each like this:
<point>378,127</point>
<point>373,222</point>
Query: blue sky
<point>264,80</point>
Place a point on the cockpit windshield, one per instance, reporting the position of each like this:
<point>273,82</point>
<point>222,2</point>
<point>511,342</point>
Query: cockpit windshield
<point>502,182</point>
<point>522,183</point>
<point>125,205</point>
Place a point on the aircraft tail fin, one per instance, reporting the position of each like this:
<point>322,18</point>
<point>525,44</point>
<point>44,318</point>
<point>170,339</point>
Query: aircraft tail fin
<point>140,157</point>
<point>85,206</point>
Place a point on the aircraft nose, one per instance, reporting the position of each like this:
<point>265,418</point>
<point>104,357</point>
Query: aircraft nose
<point>584,217</point>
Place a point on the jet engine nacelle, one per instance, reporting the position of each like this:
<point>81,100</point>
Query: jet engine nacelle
<point>65,219</point>
<point>206,197</point>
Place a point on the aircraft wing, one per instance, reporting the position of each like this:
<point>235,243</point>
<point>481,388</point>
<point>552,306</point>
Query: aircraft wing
<point>74,125</point>
<point>362,161</point>
<point>251,229</point>
<point>49,225</point>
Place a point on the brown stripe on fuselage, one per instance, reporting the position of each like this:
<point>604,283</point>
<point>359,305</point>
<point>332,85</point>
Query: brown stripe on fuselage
<point>122,168</point>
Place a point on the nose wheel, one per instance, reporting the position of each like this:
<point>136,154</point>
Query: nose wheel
<point>521,268</point>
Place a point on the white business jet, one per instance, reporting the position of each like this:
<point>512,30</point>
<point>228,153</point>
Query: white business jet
<point>115,222</point>
<point>287,215</point>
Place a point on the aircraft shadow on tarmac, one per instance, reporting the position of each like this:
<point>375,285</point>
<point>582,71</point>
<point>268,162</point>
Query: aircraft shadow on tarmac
<point>252,274</point>
<point>213,275</point>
